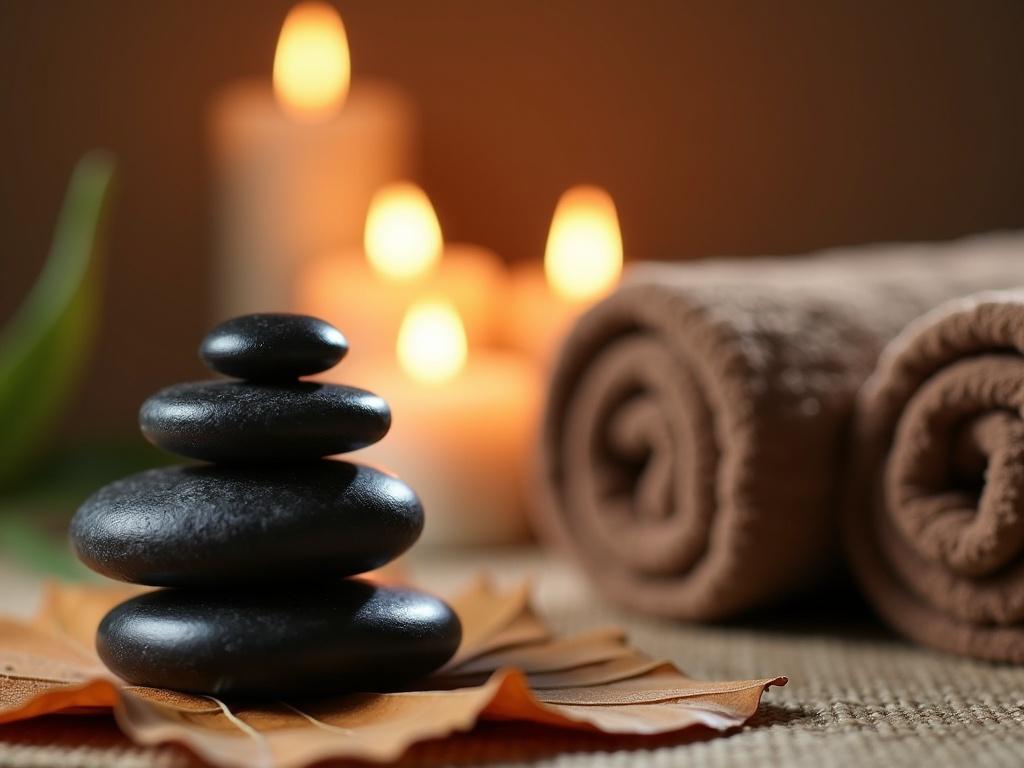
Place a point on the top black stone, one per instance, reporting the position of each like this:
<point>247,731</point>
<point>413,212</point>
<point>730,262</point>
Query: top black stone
<point>273,347</point>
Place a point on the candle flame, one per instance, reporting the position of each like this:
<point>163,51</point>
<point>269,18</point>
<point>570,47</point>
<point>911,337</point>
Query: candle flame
<point>402,236</point>
<point>432,341</point>
<point>583,259</point>
<point>311,66</point>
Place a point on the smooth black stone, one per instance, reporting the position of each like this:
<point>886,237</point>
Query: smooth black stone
<point>208,525</point>
<point>234,421</point>
<point>273,347</point>
<point>332,638</point>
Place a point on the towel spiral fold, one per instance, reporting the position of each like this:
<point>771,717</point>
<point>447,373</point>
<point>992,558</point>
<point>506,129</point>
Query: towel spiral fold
<point>935,512</point>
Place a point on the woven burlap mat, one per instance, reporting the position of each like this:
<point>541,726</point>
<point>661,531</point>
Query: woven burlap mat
<point>857,695</point>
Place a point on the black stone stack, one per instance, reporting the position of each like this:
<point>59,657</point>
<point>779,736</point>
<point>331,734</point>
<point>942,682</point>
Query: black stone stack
<point>254,548</point>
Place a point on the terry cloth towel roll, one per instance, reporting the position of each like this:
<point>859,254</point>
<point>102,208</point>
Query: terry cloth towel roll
<point>696,422</point>
<point>934,524</point>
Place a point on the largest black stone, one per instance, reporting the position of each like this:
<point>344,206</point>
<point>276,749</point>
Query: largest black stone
<point>210,525</point>
<point>332,638</point>
<point>233,421</point>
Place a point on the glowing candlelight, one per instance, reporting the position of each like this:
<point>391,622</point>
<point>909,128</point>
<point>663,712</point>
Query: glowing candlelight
<point>312,68</point>
<point>432,342</point>
<point>582,264</point>
<point>583,259</point>
<point>402,237</point>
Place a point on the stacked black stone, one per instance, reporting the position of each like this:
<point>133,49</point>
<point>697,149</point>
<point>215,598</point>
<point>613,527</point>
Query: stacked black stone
<point>255,548</point>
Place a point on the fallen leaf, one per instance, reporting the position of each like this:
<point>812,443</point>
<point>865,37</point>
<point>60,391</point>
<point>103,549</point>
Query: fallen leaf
<point>73,611</point>
<point>559,654</point>
<point>493,619</point>
<point>510,667</point>
<point>42,672</point>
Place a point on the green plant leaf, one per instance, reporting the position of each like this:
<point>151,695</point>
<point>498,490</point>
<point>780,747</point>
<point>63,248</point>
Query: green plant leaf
<point>45,346</point>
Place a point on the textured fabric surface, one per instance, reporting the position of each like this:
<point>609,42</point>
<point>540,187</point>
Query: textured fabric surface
<point>935,511</point>
<point>694,440</point>
<point>857,695</point>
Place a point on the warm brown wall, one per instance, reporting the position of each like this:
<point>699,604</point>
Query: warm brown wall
<point>738,127</point>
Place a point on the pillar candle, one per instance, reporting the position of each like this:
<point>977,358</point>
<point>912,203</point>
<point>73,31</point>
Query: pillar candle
<point>463,427</point>
<point>296,163</point>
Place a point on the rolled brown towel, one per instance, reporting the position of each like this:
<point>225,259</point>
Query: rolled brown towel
<point>934,523</point>
<point>695,428</point>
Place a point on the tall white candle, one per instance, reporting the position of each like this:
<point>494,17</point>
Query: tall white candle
<point>296,164</point>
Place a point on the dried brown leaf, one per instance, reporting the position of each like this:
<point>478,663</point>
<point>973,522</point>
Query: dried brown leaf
<point>559,654</point>
<point>73,611</point>
<point>509,667</point>
<point>493,619</point>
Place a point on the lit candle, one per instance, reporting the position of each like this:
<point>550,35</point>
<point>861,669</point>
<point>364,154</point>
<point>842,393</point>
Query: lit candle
<point>367,292</point>
<point>297,162</point>
<point>462,432</point>
<point>582,263</point>
<point>402,236</point>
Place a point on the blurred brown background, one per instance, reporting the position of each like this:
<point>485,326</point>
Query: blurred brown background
<point>719,127</point>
